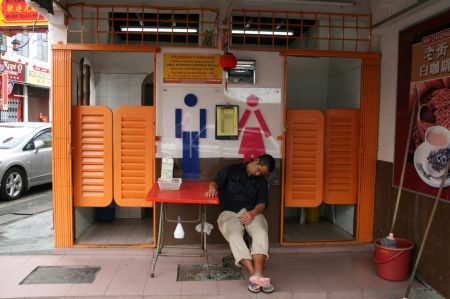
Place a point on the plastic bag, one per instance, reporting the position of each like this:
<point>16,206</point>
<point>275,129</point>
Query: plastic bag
<point>207,228</point>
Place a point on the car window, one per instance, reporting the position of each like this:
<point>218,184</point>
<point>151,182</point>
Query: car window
<point>46,137</point>
<point>12,136</point>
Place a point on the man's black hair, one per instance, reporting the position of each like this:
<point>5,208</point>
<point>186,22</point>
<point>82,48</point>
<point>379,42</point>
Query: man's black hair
<point>267,160</point>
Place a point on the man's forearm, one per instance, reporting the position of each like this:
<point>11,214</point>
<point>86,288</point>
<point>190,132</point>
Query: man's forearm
<point>259,208</point>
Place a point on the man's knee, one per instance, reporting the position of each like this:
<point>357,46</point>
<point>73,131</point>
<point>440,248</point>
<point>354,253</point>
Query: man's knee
<point>235,236</point>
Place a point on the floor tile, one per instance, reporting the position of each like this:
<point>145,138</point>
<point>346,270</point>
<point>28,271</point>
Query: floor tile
<point>345,295</point>
<point>161,288</point>
<point>306,295</point>
<point>47,290</point>
<point>304,282</point>
<point>8,291</point>
<point>232,287</point>
<point>199,288</point>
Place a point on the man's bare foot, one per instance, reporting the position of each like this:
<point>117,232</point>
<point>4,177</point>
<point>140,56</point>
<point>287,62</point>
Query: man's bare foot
<point>263,282</point>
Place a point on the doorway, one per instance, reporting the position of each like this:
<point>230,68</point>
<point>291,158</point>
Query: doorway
<point>325,103</point>
<point>108,206</point>
<point>111,124</point>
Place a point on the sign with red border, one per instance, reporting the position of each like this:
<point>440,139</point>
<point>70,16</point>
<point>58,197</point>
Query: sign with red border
<point>19,13</point>
<point>16,70</point>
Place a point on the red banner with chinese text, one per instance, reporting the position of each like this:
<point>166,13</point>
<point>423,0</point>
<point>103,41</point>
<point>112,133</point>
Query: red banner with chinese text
<point>19,13</point>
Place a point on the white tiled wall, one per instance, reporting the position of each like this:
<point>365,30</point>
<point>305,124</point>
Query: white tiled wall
<point>114,90</point>
<point>345,215</point>
<point>343,83</point>
<point>123,212</point>
<point>307,80</point>
<point>84,217</point>
<point>322,83</point>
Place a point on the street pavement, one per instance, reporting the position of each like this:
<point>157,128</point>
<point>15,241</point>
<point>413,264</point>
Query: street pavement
<point>26,224</point>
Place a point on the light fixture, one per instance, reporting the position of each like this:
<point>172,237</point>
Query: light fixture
<point>301,2</point>
<point>262,32</point>
<point>155,29</point>
<point>15,44</point>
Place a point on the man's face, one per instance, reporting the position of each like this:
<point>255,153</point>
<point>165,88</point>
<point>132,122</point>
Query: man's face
<point>257,170</point>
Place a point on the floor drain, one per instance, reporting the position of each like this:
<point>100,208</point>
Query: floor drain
<point>216,272</point>
<point>61,274</point>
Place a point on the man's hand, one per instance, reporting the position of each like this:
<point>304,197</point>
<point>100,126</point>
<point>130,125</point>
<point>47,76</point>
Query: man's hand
<point>247,218</point>
<point>212,191</point>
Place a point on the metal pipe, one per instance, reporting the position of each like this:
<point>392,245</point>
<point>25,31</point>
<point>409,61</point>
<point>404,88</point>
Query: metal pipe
<point>399,13</point>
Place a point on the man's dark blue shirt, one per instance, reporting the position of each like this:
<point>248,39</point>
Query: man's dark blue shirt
<point>238,190</point>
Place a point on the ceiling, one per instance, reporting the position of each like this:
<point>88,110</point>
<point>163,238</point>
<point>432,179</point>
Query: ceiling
<point>379,9</point>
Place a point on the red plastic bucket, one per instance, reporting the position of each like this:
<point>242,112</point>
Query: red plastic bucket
<point>392,263</point>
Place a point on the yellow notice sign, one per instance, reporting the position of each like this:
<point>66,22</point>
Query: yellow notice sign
<point>192,68</point>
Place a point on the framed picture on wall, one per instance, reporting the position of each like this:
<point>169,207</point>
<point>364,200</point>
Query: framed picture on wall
<point>227,118</point>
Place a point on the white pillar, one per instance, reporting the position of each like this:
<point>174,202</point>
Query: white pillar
<point>25,103</point>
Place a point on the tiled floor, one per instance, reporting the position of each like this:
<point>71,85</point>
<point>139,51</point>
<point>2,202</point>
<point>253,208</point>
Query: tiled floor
<point>323,230</point>
<point>121,231</point>
<point>310,273</point>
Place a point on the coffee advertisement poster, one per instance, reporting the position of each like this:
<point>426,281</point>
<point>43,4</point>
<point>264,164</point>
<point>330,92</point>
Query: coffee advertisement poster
<point>428,106</point>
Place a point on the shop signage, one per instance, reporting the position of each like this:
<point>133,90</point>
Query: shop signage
<point>5,93</point>
<point>19,13</point>
<point>37,75</point>
<point>430,135</point>
<point>192,68</point>
<point>16,70</point>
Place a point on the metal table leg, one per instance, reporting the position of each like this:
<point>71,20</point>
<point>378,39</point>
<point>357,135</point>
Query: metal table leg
<point>203,235</point>
<point>158,248</point>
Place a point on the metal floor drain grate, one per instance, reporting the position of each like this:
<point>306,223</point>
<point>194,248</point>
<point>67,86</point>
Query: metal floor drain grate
<point>61,274</point>
<point>200,272</point>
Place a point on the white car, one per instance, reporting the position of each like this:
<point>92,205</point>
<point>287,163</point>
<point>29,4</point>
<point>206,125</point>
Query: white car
<point>25,157</point>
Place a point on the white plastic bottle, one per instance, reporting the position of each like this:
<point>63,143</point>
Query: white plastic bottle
<point>179,231</point>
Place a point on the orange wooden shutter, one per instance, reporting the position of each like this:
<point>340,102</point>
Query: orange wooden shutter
<point>341,156</point>
<point>304,158</point>
<point>92,156</point>
<point>134,155</point>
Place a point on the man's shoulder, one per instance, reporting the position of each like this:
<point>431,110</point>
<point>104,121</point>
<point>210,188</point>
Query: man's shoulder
<point>233,167</point>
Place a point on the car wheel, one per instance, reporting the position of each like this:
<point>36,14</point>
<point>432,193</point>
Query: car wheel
<point>13,184</point>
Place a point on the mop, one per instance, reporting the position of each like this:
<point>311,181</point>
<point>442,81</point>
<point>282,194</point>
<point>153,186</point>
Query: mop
<point>390,241</point>
<point>425,235</point>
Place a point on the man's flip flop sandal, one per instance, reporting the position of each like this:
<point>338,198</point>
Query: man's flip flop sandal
<point>253,288</point>
<point>269,289</point>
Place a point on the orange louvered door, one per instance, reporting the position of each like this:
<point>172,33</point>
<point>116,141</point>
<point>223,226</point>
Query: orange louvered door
<point>134,155</point>
<point>304,158</point>
<point>92,156</point>
<point>341,156</point>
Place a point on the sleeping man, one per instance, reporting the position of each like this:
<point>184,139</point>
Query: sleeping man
<point>243,193</point>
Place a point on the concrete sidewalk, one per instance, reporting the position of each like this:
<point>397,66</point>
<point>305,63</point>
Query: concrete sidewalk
<point>297,272</point>
<point>312,273</point>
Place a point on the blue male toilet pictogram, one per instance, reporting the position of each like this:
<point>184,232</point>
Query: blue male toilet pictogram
<point>190,138</point>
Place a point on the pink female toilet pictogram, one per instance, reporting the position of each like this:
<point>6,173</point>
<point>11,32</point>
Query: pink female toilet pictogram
<point>252,143</point>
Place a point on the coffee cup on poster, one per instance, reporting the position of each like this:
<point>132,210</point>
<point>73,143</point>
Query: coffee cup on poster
<point>437,140</point>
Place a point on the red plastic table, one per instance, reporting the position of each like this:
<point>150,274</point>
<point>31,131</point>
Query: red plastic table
<point>191,192</point>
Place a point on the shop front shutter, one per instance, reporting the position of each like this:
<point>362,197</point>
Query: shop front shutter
<point>304,158</point>
<point>341,156</point>
<point>92,156</point>
<point>134,155</point>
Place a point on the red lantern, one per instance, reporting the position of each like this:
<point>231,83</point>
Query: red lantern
<point>227,61</point>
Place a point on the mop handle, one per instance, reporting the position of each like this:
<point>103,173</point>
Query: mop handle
<point>402,176</point>
<point>425,236</point>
